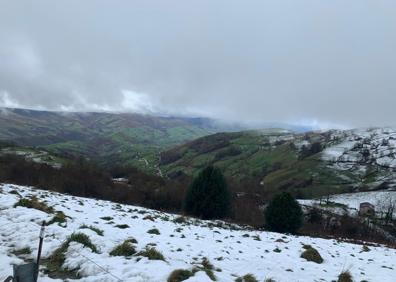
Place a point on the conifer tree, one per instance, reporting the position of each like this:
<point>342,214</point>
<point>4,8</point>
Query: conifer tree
<point>208,196</point>
<point>284,214</point>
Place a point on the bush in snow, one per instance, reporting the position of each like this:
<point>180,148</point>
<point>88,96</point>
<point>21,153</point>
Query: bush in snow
<point>208,196</point>
<point>284,214</point>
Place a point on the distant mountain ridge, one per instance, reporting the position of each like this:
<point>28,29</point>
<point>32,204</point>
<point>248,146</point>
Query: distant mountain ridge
<point>125,138</point>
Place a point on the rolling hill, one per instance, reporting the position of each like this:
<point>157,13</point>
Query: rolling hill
<point>308,164</point>
<point>107,138</point>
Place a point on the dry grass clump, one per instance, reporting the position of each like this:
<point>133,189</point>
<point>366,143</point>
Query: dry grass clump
<point>345,276</point>
<point>311,254</point>
<point>34,203</point>
<point>180,275</point>
<point>126,249</point>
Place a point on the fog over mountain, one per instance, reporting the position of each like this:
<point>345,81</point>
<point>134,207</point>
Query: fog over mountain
<point>329,63</point>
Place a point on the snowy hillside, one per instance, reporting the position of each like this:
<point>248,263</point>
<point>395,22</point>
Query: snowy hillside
<point>368,153</point>
<point>184,243</point>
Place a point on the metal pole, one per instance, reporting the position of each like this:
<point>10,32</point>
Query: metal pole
<point>40,242</point>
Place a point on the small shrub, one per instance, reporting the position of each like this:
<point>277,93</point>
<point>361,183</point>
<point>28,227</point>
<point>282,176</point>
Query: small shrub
<point>93,228</point>
<point>34,203</point>
<point>125,249</point>
<point>108,218</point>
<point>180,275</point>
<point>311,254</point>
<point>345,276</point>
<point>154,231</point>
<point>152,254</point>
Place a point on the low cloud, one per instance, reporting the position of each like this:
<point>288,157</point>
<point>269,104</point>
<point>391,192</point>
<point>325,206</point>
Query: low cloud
<point>324,63</point>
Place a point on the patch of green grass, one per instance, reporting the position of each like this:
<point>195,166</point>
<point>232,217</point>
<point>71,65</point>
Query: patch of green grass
<point>93,228</point>
<point>56,260</point>
<point>82,239</point>
<point>34,203</point>
<point>152,254</point>
<point>125,249</point>
<point>59,218</point>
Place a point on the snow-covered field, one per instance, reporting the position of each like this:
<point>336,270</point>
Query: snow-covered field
<point>233,253</point>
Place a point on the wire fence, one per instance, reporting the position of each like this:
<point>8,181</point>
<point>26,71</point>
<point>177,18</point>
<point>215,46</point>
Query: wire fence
<point>87,259</point>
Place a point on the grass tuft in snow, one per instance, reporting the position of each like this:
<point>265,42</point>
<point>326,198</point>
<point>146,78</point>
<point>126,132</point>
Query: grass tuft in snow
<point>59,218</point>
<point>180,220</point>
<point>98,231</point>
<point>23,251</point>
<point>82,239</point>
<point>34,203</point>
<point>122,226</point>
<point>180,275</point>
<point>152,254</point>
<point>126,249</point>
<point>365,248</point>
<point>154,231</point>
<point>311,254</point>
<point>345,276</point>
<point>208,267</point>
<point>57,258</point>
<point>246,278</point>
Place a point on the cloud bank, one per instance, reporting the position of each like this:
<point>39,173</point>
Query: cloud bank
<point>325,62</point>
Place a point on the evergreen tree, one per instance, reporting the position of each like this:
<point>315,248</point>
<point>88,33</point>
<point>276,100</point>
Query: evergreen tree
<point>208,196</point>
<point>284,214</point>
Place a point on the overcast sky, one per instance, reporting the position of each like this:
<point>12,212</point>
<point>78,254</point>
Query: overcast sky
<point>330,62</point>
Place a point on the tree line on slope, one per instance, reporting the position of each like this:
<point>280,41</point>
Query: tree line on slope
<point>80,177</point>
<point>208,196</point>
